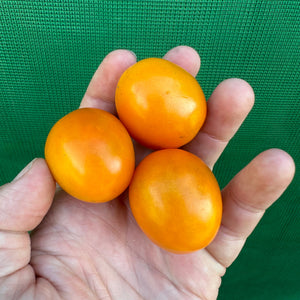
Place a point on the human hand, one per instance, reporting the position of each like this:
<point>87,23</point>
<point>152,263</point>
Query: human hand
<point>81,250</point>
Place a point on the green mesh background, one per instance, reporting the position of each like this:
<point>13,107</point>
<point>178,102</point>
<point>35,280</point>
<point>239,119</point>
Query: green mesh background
<point>50,49</point>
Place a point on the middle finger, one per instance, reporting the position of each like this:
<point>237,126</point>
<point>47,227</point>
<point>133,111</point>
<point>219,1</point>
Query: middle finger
<point>227,108</point>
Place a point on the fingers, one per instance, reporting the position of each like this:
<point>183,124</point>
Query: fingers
<point>185,57</point>
<point>101,90</point>
<point>25,201</point>
<point>227,108</point>
<point>246,198</point>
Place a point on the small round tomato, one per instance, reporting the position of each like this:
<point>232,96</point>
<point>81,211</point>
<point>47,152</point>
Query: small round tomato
<point>90,155</point>
<point>176,200</point>
<point>160,104</point>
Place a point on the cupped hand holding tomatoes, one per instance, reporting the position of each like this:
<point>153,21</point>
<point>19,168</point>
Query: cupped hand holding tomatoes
<point>72,239</point>
<point>90,155</point>
<point>160,104</point>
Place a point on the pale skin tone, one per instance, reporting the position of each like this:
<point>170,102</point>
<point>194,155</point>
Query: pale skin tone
<point>88,251</point>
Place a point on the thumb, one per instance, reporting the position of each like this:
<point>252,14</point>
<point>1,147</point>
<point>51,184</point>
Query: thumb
<point>25,201</point>
<point>23,204</point>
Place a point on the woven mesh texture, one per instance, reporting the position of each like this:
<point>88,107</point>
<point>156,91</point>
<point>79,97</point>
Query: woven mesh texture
<point>50,49</point>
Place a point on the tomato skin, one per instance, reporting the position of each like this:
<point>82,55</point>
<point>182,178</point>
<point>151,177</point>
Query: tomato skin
<point>90,155</point>
<point>160,104</point>
<point>176,200</point>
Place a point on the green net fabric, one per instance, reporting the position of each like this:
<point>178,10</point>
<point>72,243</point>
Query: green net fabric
<point>50,49</point>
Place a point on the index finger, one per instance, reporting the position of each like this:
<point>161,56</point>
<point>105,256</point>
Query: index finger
<point>101,90</point>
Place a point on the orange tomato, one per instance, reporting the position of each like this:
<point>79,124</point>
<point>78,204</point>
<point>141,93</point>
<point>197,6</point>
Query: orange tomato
<point>90,155</point>
<point>160,104</point>
<point>176,200</point>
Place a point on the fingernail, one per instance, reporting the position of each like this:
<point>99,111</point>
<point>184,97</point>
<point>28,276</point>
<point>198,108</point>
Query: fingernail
<point>133,53</point>
<point>25,170</point>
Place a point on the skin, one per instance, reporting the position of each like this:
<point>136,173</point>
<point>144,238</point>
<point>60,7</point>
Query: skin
<point>96,251</point>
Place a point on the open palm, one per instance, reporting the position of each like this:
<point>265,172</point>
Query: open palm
<point>84,251</point>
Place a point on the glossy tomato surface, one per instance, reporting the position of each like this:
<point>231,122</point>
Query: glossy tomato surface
<point>90,155</point>
<point>160,104</point>
<point>176,200</point>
